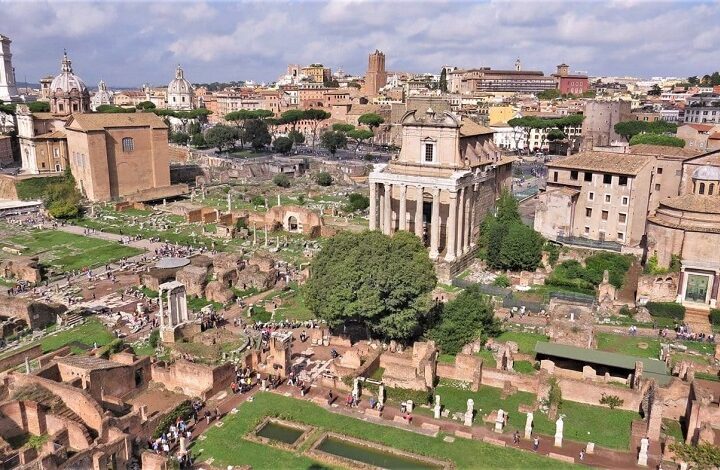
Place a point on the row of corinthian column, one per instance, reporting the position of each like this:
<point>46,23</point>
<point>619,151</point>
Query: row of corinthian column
<point>458,225</point>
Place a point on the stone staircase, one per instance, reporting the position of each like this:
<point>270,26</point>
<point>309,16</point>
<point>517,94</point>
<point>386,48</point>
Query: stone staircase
<point>71,320</point>
<point>698,320</point>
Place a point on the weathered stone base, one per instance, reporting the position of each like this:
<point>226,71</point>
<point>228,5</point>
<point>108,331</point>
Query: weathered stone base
<point>446,271</point>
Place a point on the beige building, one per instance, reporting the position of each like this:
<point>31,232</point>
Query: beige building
<point>317,73</point>
<point>375,77</point>
<point>597,199</point>
<point>114,156</point>
<point>598,127</point>
<point>700,136</point>
<point>447,176</point>
<point>687,226</point>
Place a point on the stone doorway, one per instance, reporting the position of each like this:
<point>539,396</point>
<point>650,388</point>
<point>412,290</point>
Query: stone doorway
<point>427,221</point>
<point>292,224</point>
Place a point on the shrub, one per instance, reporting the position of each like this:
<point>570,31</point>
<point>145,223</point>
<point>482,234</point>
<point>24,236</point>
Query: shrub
<point>183,410</point>
<point>323,178</point>
<point>282,180</point>
<point>553,252</point>
<point>502,281</point>
<point>625,310</point>
<point>154,338</point>
<point>657,139</point>
<point>666,310</point>
<point>282,145</point>
<point>715,316</point>
<point>258,201</point>
<point>357,202</point>
<point>612,401</point>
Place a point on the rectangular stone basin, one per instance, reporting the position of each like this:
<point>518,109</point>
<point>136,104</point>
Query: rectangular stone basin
<point>276,431</point>
<point>373,455</point>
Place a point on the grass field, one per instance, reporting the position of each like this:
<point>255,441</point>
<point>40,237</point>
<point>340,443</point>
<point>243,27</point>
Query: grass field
<point>525,341</point>
<point>583,423</point>
<point>631,345</point>
<point>89,333</point>
<point>66,251</point>
<point>226,446</point>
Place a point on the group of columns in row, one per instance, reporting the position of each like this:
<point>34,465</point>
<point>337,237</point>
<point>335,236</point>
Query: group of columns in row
<point>458,225</point>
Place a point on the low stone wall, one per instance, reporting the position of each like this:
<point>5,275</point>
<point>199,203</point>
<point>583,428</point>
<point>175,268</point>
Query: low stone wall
<point>7,188</point>
<point>467,368</point>
<point>497,378</point>
<point>591,392</point>
<point>193,380</point>
<point>18,357</point>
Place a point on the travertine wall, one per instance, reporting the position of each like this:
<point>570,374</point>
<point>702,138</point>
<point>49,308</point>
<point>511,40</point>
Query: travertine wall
<point>193,380</point>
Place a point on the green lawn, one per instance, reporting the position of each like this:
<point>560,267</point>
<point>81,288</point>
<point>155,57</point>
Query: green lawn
<point>488,358</point>
<point>226,446</point>
<point>90,332</point>
<point>66,251</point>
<point>524,367</point>
<point>673,428</point>
<point>638,346</point>
<point>583,423</point>
<point>196,304</point>
<point>525,341</point>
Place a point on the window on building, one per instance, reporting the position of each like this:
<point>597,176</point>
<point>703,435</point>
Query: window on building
<point>43,164</point>
<point>711,189</point>
<point>587,230</point>
<point>588,212</point>
<point>555,176</point>
<point>622,180</point>
<point>128,145</point>
<point>622,218</point>
<point>591,196</point>
<point>607,198</point>
<point>702,188</point>
<point>61,107</point>
<point>588,176</point>
<point>604,215</point>
<point>620,236</point>
<point>625,201</point>
<point>657,186</point>
<point>56,152</point>
<point>659,171</point>
<point>574,175</point>
<point>607,179</point>
<point>429,153</point>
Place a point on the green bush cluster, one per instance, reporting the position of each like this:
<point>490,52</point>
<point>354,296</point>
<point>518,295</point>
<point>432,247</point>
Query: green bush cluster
<point>572,275</point>
<point>715,316</point>
<point>58,193</point>
<point>183,410</point>
<point>397,395</point>
<point>666,310</point>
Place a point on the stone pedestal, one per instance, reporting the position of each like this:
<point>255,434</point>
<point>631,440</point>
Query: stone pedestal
<point>529,425</point>
<point>643,455</point>
<point>590,448</point>
<point>500,421</point>
<point>469,412</point>
<point>559,425</point>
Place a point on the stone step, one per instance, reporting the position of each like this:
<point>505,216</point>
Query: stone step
<point>698,320</point>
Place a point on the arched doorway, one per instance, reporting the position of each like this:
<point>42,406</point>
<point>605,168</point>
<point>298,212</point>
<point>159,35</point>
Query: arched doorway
<point>292,224</point>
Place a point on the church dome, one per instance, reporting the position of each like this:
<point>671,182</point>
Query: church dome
<point>707,173</point>
<point>67,81</point>
<point>103,94</point>
<point>179,85</point>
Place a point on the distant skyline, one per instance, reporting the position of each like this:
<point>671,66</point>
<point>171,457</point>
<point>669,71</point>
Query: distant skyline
<point>135,42</point>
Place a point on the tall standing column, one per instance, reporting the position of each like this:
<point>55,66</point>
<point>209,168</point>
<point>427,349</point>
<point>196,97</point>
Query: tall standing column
<point>468,230</point>
<point>460,249</point>
<point>419,212</point>
<point>403,208</point>
<point>450,227</point>
<point>162,310</point>
<point>387,225</point>
<point>435,225</point>
<point>471,225</point>
<point>373,206</point>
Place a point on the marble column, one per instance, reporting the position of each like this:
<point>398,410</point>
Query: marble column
<point>381,208</point>
<point>461,223</point>
<point>450,227</point>
<point>373,206</point>
<point>402,219</point>
<point>387,225</point>
<point>435,225</point>
<point>471,217</point>
<point>467,229</point>
<point>419,212</point>
<point>162,310</point>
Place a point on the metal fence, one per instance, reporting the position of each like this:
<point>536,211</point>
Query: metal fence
<point>587,243</point>
<point>505,294</point>
<point>573,297</point>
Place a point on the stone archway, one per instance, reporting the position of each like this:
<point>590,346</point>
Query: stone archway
<point>292,224</point>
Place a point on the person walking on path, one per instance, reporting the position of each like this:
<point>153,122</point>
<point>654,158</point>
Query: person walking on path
<point>536,444</point>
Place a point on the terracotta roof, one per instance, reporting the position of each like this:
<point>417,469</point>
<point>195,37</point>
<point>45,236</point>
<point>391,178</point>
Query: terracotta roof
<point>570,192</point>
<point>700,127</point>
<point>46,116</point>
<point>605,162</point>
<point>694,203</point>
<point>88,362</point>
<point>714,136</point>
<point>364,108</point>
<point>470,128</point>
<point>52,135</point>
<point>99,121</point>
<point>664,151</point>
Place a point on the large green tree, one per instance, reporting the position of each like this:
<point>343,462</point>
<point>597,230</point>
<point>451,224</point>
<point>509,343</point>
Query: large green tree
<point>443,81</point>
<point>282,145</point>
<point>333,140</point>
<point>380,281</point>
<point>462,320</point>
<point>372,121</point>
<point>315,116</point>
<point>39,107</point>
<point>221,136</point>
<point>292,117</point>
<point>257,133</point>
<point>658,139</point>
<point>360,136</point>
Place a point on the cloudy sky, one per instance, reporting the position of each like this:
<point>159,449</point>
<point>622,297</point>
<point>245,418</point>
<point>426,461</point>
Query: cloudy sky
<point>130,43</point>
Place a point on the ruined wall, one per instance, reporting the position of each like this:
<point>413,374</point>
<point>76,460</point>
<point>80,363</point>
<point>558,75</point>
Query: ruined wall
<point>658,287</point>
<point>466,368</point>
<point>193,380</point>
<point>525,383</point>
<point>7,188</point>
<point>18,357</point>
<point>37,315</point>
<point>591,393</point>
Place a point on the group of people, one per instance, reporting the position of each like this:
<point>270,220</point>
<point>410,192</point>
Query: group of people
<point>683,332</point>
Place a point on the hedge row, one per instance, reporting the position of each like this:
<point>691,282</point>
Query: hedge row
<point>666,310</point>
<point>715,316</point>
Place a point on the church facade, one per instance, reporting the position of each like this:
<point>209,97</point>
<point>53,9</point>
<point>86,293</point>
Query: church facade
<point>447,176</point>
<point>180,93</point>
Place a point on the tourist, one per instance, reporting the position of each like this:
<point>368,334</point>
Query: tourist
<point>536,444</point>
<point>582,454</point>
<point>207,417</point>
<point>516,437</point>
<point>330,398</point>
